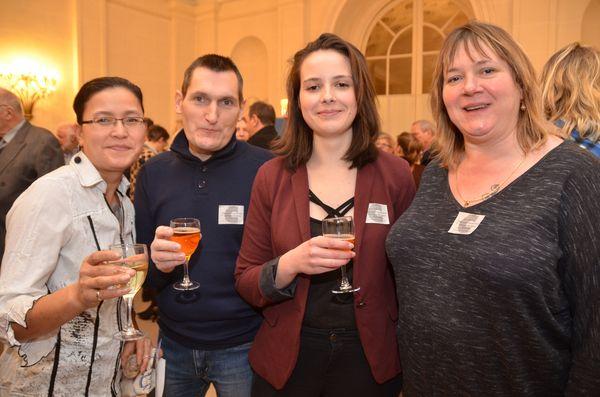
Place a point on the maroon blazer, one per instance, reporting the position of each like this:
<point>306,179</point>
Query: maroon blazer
<point>278,221</point>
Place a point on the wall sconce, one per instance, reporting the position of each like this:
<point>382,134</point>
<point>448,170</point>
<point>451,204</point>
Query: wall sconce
<point>30,82</point>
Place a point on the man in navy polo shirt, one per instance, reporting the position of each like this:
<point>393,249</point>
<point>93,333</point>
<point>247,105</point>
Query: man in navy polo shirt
<point>208,174</point>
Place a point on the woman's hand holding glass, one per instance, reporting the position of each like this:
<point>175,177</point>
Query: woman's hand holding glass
<point>100,280</point>
<point>315,256</point>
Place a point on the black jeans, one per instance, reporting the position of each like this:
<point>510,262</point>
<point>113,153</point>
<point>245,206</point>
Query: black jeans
<point>331,363</point>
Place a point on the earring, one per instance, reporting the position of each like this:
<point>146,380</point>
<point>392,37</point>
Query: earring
<point>522,107</point>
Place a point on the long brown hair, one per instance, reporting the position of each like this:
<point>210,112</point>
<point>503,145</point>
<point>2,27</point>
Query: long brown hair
<point>532,128</point>
<point>296,143</point>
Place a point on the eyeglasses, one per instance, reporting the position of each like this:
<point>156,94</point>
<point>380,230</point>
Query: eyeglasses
<point>109,121</point>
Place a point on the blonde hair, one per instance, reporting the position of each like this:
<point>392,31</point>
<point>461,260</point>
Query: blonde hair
<point>571,90</point>
<point>532,128</point>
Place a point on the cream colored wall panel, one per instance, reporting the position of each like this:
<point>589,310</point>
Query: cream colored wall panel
<point>322,16</point>
<point>42,31</point>
<point>532,29</point>
<point>590,28</point>
<point>292,36</point>
<point>91,17</point>
<point>250,56</point>
<point>396,112</point>
<point>569,18</point>
<point>543,26</point>
<point>184,48</point>
<point>183,52</point>
<point>262,27</point>
<point>234,9</point>
<point>498,12</point>
<point>206,27</point>
<point>138,48</point>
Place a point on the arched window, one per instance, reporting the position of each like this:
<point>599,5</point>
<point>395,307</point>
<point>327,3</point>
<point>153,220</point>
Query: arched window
<point>405,40</point>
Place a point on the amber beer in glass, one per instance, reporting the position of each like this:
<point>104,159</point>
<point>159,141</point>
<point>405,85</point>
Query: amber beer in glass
<point>341,228</point>
<point>186,232</point>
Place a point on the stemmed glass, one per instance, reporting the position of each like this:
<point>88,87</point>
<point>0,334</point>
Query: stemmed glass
<point>133,256</point>
<point>341,228</point>
<point>186,232</point>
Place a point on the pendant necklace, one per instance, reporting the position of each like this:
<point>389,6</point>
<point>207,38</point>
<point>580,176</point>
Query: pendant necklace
<point>495,188</point>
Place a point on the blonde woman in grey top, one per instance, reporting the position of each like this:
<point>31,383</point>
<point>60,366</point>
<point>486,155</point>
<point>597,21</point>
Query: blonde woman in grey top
<point>498,282</point>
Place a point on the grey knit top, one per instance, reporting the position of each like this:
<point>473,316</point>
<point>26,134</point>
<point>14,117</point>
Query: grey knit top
<point>513,308</point>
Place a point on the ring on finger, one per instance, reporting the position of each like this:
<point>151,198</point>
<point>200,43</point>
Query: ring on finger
<point>98,295</point>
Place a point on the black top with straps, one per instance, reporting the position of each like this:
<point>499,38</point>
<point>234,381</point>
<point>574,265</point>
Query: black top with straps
<point>324,309</point>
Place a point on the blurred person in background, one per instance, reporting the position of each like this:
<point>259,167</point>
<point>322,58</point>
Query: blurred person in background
<point>67,134</point>
<point>385,142</point>
<point>241,132</point>
<point>424,132</point>
<point>26,153</point>
<point>409,148</point>
<point>157,141</point>
<point>571,94</point>
<point>260,124</point>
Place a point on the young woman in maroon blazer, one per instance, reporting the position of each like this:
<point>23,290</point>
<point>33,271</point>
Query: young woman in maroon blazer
<point>313,342</point>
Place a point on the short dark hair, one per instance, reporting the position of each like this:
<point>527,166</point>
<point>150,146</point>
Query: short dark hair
<point>297,140</point>
<point>156,133</point>
<point>264,112</point>
<point>96,85</point>
<point>216,63</point>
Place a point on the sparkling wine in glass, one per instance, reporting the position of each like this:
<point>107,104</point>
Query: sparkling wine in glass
<point>341,228</point>
<point>133,256</point>
<point>186,232</point>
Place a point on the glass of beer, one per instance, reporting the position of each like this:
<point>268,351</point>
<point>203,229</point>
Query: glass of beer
<point>186,232</point>
<point>133,256</point>
<point>341,228</point>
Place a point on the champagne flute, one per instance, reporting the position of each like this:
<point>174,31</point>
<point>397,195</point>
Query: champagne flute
<point>186,232</point>
<point>133,256</point>
<point>341,228</point>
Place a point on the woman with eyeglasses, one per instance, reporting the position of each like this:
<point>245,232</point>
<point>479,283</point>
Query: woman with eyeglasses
<point>58,295</point>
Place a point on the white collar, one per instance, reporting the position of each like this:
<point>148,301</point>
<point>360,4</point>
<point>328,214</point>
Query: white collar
<point>89,175</point>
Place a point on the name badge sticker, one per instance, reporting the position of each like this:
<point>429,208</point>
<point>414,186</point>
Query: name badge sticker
<point>465,223</point>
<point>378,213</point>
<point>231,214</point>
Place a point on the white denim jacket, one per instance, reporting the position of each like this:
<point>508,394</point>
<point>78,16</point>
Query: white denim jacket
<point>58,221</point>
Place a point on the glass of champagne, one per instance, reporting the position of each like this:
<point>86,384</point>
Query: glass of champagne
<point>186,232</point>
<point>341,228</point>
<point>133,256</point>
